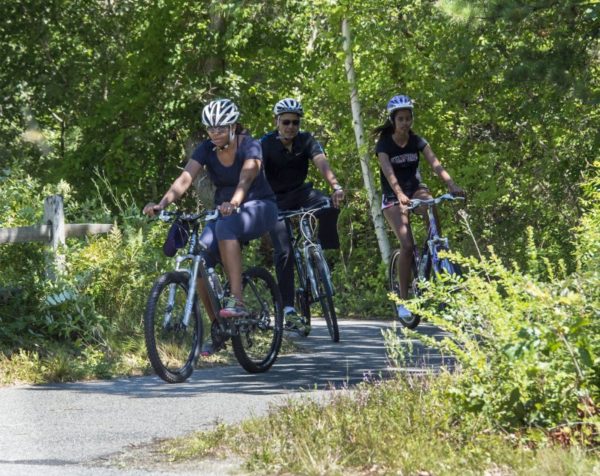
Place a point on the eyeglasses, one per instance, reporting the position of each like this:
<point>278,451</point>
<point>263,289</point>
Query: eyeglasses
<point>287,122</point>
<point>217,129</point>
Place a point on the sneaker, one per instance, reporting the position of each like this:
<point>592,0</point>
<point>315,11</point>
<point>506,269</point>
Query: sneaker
<point>209,348</point>
<point>402,312</point>
<point>214,343</point>
<point>294,322</point>
<point>233,308</point>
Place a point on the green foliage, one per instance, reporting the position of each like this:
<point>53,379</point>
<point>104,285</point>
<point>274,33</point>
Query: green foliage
<point>527,342</point>
<point>358,293</point>
<point>506,95</point>
<point>92,309</point>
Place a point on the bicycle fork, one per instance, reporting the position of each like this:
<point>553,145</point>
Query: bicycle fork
<point>191,295</point>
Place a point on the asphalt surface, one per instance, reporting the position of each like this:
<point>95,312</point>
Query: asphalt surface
<point>76,428</point>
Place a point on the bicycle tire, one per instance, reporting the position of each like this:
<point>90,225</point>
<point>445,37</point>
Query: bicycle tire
<point>394,286</point>
<point>325,294</point>
<point>303,305</point>
<point>256,344</point>
<point>172,350</point>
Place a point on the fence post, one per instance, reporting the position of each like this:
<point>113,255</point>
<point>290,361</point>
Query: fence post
<point>54,215</point>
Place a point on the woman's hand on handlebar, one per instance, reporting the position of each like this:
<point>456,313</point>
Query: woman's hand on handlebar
<point>152,209</point>
<point>227,208</point>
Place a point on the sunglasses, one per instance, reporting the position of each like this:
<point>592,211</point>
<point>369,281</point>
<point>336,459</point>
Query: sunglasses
<point>287,122</point>
<point>217,129</point>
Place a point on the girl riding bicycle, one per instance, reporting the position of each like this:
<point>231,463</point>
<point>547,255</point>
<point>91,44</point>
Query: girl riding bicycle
<point>243,196</point>
<point>398,149</point>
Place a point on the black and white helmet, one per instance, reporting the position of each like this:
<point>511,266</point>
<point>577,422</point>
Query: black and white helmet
<point>288,105</point>
<point>220,112</point>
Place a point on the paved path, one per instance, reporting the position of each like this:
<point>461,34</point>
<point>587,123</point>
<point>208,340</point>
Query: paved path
<point>68,428</point>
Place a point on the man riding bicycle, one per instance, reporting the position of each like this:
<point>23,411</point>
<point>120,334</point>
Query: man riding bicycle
<point>287,152</point>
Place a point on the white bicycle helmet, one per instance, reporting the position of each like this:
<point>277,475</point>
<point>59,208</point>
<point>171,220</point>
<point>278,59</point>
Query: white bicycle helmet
<point>399,102</point>
<point>220,112</point>
<point>288,105</point>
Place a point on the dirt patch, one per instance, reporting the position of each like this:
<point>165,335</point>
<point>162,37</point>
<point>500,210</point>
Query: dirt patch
<point>150,458</point>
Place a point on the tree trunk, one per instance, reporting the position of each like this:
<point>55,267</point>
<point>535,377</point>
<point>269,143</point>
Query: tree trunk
<point>377,217</point>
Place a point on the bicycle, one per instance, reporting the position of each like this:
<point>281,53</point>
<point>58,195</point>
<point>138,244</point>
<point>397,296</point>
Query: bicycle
<point>172,320</point>
<point>425,258</point>
<point>314,276</point>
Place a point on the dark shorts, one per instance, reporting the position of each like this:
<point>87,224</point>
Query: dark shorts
<point>255,218</point>
<point>388,201</point>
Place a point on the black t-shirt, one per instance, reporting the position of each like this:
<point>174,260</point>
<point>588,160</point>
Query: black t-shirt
<point>287,170</point>
<point>404,160</point>
<point>225,178</point>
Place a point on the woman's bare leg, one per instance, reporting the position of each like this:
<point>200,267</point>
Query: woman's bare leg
<point>203,293</point>
<point>231,255</point>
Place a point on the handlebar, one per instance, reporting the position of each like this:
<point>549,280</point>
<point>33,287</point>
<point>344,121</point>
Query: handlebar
<point>168,216</point>
<point>302,211</point>
<point>414,203</point>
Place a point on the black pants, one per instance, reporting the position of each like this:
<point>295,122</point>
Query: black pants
<point>303,197</point>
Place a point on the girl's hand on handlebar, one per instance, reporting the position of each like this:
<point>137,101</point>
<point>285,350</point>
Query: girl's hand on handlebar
<point>151,209</point>
<point>403,202</point>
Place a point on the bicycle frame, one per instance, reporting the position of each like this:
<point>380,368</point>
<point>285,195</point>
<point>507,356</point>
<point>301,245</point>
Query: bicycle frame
<point>302,243</point>
<point>197,270</point>
<point>434,242</point>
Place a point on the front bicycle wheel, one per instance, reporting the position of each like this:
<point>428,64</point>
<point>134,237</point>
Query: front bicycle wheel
<point>325,293</point>
<point>257,340</point>
<point>394,287</point>
<point>172,345</point>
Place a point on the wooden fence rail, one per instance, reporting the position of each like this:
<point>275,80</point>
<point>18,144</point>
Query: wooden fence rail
<point>53,230</point>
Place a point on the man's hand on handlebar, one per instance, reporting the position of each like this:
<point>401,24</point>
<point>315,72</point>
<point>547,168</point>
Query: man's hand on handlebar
<point>337,197</point>
<point>456,190</point>
<point>152,209</point>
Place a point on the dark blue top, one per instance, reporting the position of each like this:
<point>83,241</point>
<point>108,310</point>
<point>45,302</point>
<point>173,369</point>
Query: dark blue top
<point>287,170</point>
<point>404,160</point>
<point>226,179</point>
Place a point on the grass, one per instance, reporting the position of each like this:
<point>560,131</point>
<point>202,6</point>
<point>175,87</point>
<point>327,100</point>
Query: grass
<point>402,426</point>
<point>52,363</point>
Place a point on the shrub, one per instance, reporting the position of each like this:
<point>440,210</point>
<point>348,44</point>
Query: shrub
<point>527,342</point>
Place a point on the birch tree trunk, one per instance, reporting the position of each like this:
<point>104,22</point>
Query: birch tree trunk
<point>377,217</point>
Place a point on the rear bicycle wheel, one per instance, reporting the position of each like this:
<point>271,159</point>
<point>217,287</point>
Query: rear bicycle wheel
<point>325,293</point>
<point>394,286</point>
<point>258,338</point>
<point>172,346</point>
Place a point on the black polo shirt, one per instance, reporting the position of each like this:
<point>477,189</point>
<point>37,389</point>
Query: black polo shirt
<point>287,170</point>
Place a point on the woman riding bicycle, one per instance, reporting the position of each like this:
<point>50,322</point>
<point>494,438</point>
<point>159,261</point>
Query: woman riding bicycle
<point>398,149</point>
<point>243,196</point>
